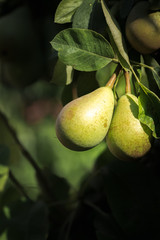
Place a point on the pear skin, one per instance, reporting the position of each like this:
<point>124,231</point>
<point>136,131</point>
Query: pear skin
<point>127,138</point>
<point>83,123</point>
<point>143,28</point>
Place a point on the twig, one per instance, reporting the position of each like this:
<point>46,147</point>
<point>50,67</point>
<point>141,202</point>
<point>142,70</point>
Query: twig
<point>42,180</point>
<point>18,185</point>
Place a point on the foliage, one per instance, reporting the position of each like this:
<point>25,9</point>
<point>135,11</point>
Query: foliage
<point>48,192</point>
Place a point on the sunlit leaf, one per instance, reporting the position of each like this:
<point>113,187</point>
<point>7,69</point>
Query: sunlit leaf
<point>83,49</point>
<point>82,16</point>
<point>69,73</point>
<point>116,37</point>
<point>65,10</point>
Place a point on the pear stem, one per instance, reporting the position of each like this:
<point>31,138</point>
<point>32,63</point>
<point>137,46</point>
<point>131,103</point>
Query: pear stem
<point>128,84</point>
<point>113,78</point>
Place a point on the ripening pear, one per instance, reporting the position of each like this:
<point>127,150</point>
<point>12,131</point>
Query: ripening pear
<point>83,123</point>
<point>143,28</point>
<point>127,137</point>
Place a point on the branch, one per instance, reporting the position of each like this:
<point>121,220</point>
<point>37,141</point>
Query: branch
<point>42,179</point>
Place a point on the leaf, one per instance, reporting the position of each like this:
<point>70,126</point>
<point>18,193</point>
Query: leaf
<point>4,170</point>
<point>26,220</point>
<point>69,72</point>
<point>104,74</point>
<point>4,173</point>
<point>149,110</point>
<point>144,78</point>
<point>59,73</point>
<point>62,74</point>
<point>18,164</point>
<point>155,69</point>
<point>4,155</point>
<point>116,37</point>
<point>81,18</point>
<point>83,49</point>
<point>65,10</point>
<point>156,74</point>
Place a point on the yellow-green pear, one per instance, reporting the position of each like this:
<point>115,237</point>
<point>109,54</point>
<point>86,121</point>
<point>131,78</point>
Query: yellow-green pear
<point>127,138</point>
<point>143,28</point>
<point>83,123</point>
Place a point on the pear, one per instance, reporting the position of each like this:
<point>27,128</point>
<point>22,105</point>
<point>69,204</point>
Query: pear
<point>143,28</point>
<point>127,138</point>
<point>83,123</point>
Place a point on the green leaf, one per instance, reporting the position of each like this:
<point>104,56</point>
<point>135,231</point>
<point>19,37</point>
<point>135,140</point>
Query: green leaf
<point>4,155</point>
<point>4,170</point>
<point>116,37</point>
<point>18,164</point>
<point>81,18</point>
<point>69,72</point>
<point>154,69</point>
<point>27,220</point>
<point>59,73</point>
<point>62,74</point>
<point>149,110</point>
<point>4,173</point>
<point>65,10</point>
<point>83,49</point>
<point>156,74</point>
<point>104,74</point>
<point>144,77</point>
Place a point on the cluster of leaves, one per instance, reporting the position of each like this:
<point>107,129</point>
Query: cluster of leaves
<point>95,43</point>
<point>116,200</point>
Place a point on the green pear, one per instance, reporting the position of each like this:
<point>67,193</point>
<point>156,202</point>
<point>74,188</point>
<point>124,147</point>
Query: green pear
<point>83,123</point>
<point>127,137</point>
<point>143,28</point>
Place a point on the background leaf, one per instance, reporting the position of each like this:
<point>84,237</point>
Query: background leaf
<point>82,16</point>
<point>149,110</point>
<point>25,220</point>
<point>65,10</point>
<point>4,170</point>
<point>154,71</point>
<point>83,49</point>
<point>104,74</point>
<point>18,164</point>
<point>116,37</point>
